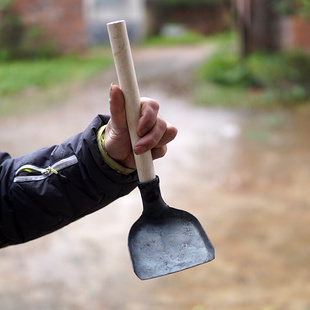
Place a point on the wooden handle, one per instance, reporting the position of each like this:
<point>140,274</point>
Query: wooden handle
<point>128,82</point>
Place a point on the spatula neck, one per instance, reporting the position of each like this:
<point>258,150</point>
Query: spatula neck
<point>153,203</point>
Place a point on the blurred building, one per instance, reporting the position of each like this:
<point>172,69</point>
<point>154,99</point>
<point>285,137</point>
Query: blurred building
<point>75,24</point>
<point>98,13</point>
<point>144,17</point>
<point>295,33</point>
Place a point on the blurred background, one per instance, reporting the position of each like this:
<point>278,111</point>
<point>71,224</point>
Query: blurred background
<point>234,77</point>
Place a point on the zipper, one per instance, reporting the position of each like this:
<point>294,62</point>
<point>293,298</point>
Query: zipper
<point>34,173</point>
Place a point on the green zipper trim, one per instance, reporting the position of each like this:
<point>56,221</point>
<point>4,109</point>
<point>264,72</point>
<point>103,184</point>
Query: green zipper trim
<point>43,173</point>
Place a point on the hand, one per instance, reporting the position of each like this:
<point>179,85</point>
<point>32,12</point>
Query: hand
<point>153,131</point>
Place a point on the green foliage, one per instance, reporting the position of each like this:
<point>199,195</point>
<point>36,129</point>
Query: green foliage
<point>285,7</point>
<point>293,7</point>
<point>286,72</point>
<point>304,10</point>
<point>4,4</point>
<point>225,69</point>
<point>282,78</point>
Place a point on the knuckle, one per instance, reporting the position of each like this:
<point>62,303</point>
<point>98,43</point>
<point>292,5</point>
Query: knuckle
<point>162,125</point>
<point>148,103</point>
<point>154,105</point>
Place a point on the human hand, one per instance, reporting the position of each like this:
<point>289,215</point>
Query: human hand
<point>154,132</point>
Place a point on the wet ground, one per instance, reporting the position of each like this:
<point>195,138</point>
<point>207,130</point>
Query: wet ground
<point>244,174</point>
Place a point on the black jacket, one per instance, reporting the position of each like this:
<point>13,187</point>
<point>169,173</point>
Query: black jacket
<point>54,186</point>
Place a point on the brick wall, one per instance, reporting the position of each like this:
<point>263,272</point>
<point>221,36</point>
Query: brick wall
<point>301,34</point>
<point>60,20</point>
<point>294,33</point>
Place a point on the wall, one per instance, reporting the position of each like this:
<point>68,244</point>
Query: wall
<point>301,34</point>
<point>294,33</point>
<point>60,20</point>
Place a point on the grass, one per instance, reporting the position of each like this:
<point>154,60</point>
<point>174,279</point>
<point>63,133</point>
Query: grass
<point>19,78</point>
<point>187,38</point>
<point>19,75</point>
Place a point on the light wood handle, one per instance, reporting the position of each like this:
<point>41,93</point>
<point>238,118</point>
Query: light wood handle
<point>128,82</point>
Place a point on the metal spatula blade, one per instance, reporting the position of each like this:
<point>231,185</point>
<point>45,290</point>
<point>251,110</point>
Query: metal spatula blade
<point>165,240</point>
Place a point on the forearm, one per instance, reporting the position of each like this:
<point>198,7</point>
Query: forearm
<point>52,187</point>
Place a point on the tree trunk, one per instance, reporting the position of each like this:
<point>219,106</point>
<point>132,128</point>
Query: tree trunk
<point>257,25</point>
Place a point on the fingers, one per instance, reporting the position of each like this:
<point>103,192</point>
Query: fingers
<point>154,132</point>
<point>117,142</point>
<point>156,139</point>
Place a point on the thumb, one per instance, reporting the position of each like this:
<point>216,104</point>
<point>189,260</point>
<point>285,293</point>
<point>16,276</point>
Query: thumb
<point>117,108</point>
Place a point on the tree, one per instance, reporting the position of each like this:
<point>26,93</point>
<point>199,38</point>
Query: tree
<point>293,7</point>
<point>257,21</point>
<point>256,24</point>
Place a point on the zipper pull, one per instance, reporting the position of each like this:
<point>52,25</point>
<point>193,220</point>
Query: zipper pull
<point>49,170</point>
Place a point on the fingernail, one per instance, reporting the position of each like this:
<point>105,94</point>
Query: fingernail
<point>142,132</point>
<point>110,92</point>
<point>140,150</point>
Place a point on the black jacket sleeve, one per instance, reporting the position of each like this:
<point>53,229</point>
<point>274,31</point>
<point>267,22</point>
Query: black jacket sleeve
<point>54,186</point>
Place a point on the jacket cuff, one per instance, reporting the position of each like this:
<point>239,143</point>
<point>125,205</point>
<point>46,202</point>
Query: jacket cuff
<point>107,159</point>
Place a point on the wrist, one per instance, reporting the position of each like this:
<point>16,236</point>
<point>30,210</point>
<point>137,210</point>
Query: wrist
<point>111,162</point>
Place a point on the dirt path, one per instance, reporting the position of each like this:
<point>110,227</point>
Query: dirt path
<point>244,174</point>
